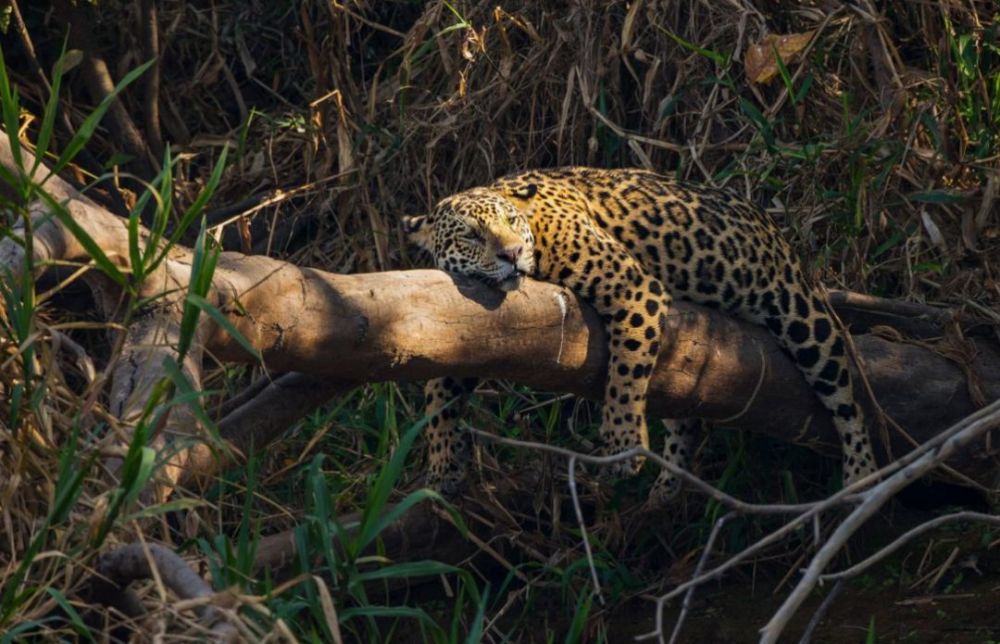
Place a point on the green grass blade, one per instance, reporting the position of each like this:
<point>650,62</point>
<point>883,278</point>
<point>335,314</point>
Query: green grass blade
<point>213,312</point>
<point>189,396</point>
<point>786,77</point>
<point>388,611</point>
<point>14,635</point>
<point>322,513</point>
<point>804,88</point>
<point>74,617</point>
<point>382,488</point>
<point>47,127</point>
<point>131,486</point>
<point>405,570</point>
<point>475,634</point>
<point>134,254</point>
<point>89,125</point>
<point>936,196</point>
<point>201,200</point>
<point>580,616</point>
<point>411,499</point>
<point>161,217</point>
<point>871,637</point>
<point>713,56</point>
<point>94,251</point>
<point>202,267</point>
<point>178,505</point>
<point>456,13</point>
<point>758,118</point>
<point>11,105</point>
<point>144,471</point>
<point>247,535</point>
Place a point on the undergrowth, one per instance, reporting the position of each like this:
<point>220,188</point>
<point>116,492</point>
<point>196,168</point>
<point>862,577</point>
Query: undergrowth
<point>877,150</point>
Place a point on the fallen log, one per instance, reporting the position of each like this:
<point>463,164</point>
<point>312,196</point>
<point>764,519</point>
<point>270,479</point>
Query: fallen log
<point>415,325</point>
<point>118,568</point>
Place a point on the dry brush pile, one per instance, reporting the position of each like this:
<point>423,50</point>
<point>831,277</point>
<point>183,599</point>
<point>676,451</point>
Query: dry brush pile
<point>869,130</point>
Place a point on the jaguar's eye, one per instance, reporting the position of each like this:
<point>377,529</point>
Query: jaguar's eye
<point>473,236</point>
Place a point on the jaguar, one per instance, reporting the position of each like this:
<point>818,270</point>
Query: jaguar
<point>629,242</point>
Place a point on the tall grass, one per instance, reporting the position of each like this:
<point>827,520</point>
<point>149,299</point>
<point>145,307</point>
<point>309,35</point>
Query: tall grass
<point>383,109</point>
<point>76,484</point>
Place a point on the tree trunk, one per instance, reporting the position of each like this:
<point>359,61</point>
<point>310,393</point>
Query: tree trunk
<point>415,325</point>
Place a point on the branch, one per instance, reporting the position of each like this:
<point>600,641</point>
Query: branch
<point>422,324</point>
<point>100,84</point>
<point>137,561</point>
<point>905,538</point>
<point>956,437</point>
<point>149,27</point>
<point>415,325</point>
<point>899,474</point>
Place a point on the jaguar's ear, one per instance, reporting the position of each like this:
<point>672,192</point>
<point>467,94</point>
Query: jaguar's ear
<point>523,198</point>
<point>526,191</point>
<point>418,230</point>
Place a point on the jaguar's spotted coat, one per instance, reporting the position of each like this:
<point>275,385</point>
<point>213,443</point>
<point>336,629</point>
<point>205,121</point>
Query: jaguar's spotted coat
<point>627,242</point>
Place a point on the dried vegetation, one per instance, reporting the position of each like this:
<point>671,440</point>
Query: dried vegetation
<point>874,142</point>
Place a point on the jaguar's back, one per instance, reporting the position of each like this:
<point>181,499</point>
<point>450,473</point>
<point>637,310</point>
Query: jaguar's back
<point>704,244</point>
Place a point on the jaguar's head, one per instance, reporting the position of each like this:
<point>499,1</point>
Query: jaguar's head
<point>480,233</point>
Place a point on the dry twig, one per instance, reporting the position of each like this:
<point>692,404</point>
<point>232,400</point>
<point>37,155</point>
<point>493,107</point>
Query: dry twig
<point>126,564</point>
<point>898,474</point>
<point>932,454</point>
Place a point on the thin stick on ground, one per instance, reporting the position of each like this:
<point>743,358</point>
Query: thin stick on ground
<point>571,482</point>
<point>905,538</point>
<point>817,617</point>
<point>899,474</point>
<point>686,604</point>
<point>689,478</point>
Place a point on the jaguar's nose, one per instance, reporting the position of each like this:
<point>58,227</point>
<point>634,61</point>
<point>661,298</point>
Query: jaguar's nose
<point>510,254</point>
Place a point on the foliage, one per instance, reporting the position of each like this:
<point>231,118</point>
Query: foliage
<point>875,150</point>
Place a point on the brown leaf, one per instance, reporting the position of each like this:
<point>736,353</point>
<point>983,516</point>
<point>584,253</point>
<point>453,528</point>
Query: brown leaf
<point>473,44</point>
<point>760,63</point>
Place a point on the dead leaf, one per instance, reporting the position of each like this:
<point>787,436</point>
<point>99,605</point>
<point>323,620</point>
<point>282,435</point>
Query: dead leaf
<point>969,232</point>
<point>973,222</point>
<point>69,60</point>
<point>932,229</point>
<point>990,193</point>
<point>760,63</point>
<point>473,44</point>
<point>629,25</point>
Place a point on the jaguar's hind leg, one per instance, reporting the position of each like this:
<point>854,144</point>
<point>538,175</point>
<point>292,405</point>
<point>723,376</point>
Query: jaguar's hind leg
<point>819,350</point>
<point>448,446</point>
<point>678,446</point>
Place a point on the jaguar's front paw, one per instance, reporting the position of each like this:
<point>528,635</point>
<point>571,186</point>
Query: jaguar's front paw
<point>448,484</point>
<point>616,439</point>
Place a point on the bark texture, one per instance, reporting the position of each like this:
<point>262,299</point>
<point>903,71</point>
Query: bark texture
<point>344,330</point>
